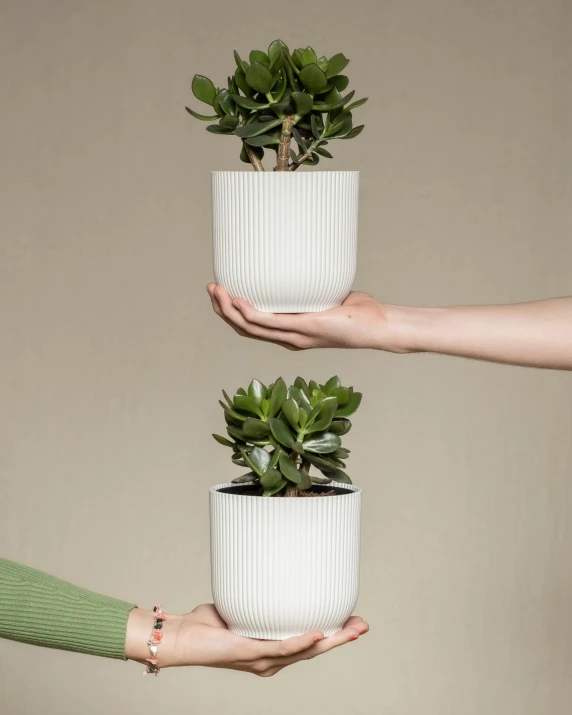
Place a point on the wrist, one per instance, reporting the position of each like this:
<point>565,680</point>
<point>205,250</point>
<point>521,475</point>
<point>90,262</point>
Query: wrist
<point>139,628</point>
<point>405,329</point>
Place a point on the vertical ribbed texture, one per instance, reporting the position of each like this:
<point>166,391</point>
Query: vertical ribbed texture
<point>283,567</point>
<point>284,241</point>
<point>43,610</point>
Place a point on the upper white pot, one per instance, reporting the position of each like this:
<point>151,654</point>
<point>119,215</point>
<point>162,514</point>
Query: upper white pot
<point>286,241</point>
<point>282,566</point>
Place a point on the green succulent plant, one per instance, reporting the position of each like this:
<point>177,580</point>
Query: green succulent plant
<point>280,432</point>
<point>278,96</point>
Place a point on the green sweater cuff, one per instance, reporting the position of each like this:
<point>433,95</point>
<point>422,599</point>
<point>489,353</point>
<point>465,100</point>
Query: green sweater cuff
<point>44,610</point>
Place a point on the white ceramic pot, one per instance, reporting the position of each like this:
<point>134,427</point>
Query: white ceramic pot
<point>283,567</point>
<point>286,241</point>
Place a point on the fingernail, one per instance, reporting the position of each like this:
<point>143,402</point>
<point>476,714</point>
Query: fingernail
<point>354,638</point>
<point>317,639</point>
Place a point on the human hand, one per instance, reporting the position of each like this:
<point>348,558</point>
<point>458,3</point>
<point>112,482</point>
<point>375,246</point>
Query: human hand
<point>360,322</point>
<point>201,637</point>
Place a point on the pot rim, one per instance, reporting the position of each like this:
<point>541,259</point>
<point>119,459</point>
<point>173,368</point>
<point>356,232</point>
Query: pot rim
<point>246,172</point>
<point>216,490</point>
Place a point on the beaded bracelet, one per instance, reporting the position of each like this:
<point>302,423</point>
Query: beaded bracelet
<point>154,641</point>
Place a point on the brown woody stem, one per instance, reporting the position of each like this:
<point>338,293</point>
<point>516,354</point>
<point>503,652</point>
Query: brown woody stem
<point>254,159</point>
<point>284,146</point>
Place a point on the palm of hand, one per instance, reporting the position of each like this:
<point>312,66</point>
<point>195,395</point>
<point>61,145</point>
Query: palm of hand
<point>204,639</point>
<point>358,322</point>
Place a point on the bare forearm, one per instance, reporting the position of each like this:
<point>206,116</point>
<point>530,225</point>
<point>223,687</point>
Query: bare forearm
<point>536,334</point>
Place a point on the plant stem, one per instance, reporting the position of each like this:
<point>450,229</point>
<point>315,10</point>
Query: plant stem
<point>284,146</point>
<point>253,156</point>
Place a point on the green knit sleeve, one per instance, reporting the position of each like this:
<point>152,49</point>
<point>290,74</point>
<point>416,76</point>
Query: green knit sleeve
<point>44,610</point>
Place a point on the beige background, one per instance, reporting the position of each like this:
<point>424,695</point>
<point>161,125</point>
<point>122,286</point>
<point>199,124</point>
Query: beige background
<point>112,360</point>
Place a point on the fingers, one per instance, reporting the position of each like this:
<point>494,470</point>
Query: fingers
<point>297,322</point>
<point>358,623</point>
<point>223,306</point>
<point>289,647</point>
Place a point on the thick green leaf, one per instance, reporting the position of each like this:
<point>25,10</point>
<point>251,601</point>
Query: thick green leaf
<point>340,82</point>
<point>316,128</point>
<point>313,79</point>
<point>256,128</point>
<point>298,59</point>
<point>323,63</point>
<point>280,432</point>
<point>303,418</point>
<point>324,443</point>
<point>340,427</point>
<point>282,108</point>
<point>339,476</point>
<point>248,103</point>
<point>356,131</point>
<point>356,104</point>
<point>245,478</point>
<point>291,411</point>
<point>342,394</point>
<point>257,392</point>
<point>245,404</point>
<point>321,480</point>
<point>289,68</point>
<point>217,129</point>
<point>258,150</point>
<point>301,384</point>
<point>340,129</point>
<point>270,492</point>
<point>289,470</point>
<point>202,117</point>
<point>323,152</point>
<point>270,478</point>
<point>275,65</point>
<point>262,140</point>
<point>229,123</point>
<point>351,406</point>
<point>276,48</point>
<point>255,428</point>
<point>275,457</point>
<point>259,56</point>
<point>303,103</point>
<point>257,459</point>
<point>224,441</point>
<point>327,409</point>
<point>336,64</point>
<point>236,432</point>
<point>299,141</point>
<point>279,394</point>
<point>259,78</point>
<point>225,101</point>
<point>242,66</point>
<point>322,463</point>
<point>203,89</point>
<point>229,411</point>
<point>242,84</point>
<point>332,384</point>
<point>309,57</point>
<point>305,481</point>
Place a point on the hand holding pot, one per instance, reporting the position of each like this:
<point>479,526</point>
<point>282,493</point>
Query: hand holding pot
<point>533,334</point>
<point>201,638</point>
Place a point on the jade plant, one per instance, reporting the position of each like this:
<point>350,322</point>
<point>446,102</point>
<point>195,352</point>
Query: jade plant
<point>279,433</point>
<point>279,96</point>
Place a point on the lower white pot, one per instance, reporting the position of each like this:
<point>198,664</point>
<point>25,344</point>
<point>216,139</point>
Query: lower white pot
<point>286,241</point>
<point>282,567</point>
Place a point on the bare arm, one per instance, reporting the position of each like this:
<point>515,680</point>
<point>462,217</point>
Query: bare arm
<point>535,334</point>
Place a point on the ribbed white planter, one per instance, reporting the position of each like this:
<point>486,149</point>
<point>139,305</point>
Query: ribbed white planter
<point>286,241</point>
<point>283,567</point>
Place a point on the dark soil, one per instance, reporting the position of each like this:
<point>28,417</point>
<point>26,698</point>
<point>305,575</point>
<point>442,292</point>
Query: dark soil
<point>316,491</point>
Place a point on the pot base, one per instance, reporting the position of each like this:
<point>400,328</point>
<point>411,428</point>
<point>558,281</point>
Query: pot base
<point>278,635</point>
